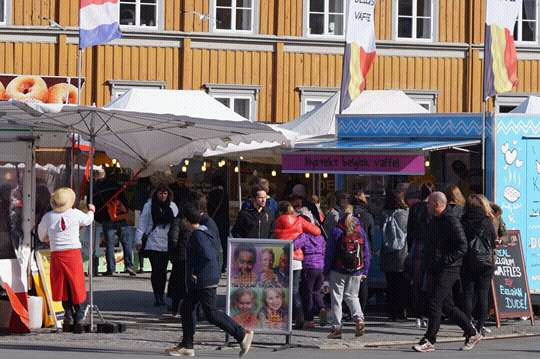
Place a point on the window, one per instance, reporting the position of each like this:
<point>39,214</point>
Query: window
<point>425,98</point>
<point>3,12</point>
<point>508,102</point>
<point>525,29</point>
<point>311,97</point>
<point>139,13</point>
<point>414,19</point>
<point>242,99</point>
<point>120,87</point>
<point>326,17</point>
<point>234,15</point>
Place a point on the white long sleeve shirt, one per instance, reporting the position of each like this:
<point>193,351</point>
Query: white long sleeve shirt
<point>158,238</point>
<point>61,230</point>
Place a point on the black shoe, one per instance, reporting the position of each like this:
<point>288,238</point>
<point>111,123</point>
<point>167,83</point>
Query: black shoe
<point>107,274</point>
<point>67,325</point>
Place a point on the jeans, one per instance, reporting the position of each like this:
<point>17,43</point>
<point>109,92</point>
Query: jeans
<point>158,277</point>
<point>206,298</point>
<point>440,301</point>
<point>476,286</point>
<point>312,280</point>
<point>345,287</point>
<point>124,234</point>
<point>297,298</point>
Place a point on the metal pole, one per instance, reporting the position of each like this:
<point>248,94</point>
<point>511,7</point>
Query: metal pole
<point>91,241</point>
<point>239,187</point>
<point>79,79</point>
<point>483,150</point>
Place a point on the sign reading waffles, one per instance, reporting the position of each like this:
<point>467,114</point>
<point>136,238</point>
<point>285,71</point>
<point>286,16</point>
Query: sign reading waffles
<point>45,89</point>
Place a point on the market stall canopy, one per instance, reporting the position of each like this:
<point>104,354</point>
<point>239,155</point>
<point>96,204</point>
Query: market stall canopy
<point>530,105</point>
<point>383,102</point>
<point>140,140</point>
<point>317,123</point>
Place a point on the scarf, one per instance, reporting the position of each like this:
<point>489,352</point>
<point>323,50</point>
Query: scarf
<point>162,213</point>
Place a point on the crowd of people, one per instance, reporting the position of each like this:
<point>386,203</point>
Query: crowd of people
<point>433,249</point>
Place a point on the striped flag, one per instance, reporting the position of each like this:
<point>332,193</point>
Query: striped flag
<point>359,50</point>
<point>500,56</point>
<point>98,22</point>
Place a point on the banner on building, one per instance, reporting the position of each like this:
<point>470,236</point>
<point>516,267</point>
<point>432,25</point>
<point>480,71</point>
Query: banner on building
<point>359,50</point>
<point>98,22</point>
<point>45,89</point>
<point>500,56</point>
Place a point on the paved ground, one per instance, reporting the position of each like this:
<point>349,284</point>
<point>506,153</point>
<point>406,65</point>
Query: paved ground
<point>129,300</point>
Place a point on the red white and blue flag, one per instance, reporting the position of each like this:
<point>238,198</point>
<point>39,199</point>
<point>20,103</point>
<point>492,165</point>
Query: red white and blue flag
<point>98,22</point>
<point>500,56</point>
<point>359,51</point>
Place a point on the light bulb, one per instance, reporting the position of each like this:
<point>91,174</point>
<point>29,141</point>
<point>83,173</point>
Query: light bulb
<point>184,169</point>
<point>307,175</point>
<point>235,169</point>
<point>325,175</point>
<point>274,173</point>
<point>186,162</point>
<point>426,163</point>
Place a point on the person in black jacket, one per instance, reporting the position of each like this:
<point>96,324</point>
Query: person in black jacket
<point>478,221</point>
<point>203,272</point>
<point>445,250</point>
<point>218,209</point>
<point>255,221</point>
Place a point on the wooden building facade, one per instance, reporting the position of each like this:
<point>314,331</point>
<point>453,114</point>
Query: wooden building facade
<point>270,60</point>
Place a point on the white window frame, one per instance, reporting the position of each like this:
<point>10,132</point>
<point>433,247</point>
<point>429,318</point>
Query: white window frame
<point>254,18</point>
<point>120,87</point>
<point>7,11</point>
<point>425,98</point>
<point>314,94</point>
<point>434,12</point>
<point>326,16</point>
<point>137,25</point>
<point>513,99</point>
<point>519,27</point>
<point>236,92</point>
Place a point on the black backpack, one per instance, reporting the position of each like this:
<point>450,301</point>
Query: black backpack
<point>480,255</point>
<point>350,253</point>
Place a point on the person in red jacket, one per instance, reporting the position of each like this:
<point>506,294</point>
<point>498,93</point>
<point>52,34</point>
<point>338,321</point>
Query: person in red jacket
<point>289,226</point>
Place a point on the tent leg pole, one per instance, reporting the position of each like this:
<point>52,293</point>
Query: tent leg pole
<point>239,187</point>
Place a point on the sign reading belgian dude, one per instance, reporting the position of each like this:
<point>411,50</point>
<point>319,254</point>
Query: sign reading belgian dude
<point>259,285</point>
<point>510,289</point>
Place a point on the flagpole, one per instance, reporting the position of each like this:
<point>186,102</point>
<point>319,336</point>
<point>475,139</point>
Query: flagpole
<point>483,144</point>
<point>79,78</point>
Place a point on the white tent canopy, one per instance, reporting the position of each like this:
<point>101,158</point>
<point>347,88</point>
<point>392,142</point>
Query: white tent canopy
<point>319,124</point>
<point>530,105</point>
<point>142,141</point>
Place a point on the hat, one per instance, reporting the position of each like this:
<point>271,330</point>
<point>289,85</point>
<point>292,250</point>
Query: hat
<point>62,199</point>
<point>299,190</point>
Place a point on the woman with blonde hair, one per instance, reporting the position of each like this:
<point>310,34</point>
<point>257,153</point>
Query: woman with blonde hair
<point>456,201</point>
<point>478,265</point>
<point>347,264</point>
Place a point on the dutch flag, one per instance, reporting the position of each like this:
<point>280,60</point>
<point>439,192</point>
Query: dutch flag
<point>98,22</point>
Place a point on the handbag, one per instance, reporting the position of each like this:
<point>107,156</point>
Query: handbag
<point>144,239</point>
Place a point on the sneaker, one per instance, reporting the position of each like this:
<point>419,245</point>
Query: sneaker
<point>359,330</point>
<point>335,334</point>
<point>245,345</point>
<point>421,323</point>
<point>424,346</point>
<point>323,317</point>
<point>470,342</point>
<point>179,351</point>
<point>485,331</point>
<point>131,271</point>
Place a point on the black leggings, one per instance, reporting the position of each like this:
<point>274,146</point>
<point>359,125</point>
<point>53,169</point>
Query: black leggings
<point>159,261</point>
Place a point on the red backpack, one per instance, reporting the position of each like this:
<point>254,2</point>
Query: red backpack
<point>350,249</point>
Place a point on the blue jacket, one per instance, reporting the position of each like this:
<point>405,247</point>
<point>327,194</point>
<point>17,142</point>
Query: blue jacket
<point>332,247</point>
<point>203,269</point>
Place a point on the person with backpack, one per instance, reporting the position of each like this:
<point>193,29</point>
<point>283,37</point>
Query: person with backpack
<point>444,252</point>
<point>479,262</point>
<point>347,263</point>
<point>393,254</point>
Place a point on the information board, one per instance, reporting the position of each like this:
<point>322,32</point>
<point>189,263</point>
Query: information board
<point>509,285</point>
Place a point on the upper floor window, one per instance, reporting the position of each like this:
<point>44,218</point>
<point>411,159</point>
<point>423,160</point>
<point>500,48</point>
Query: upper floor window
<point>311,97</point>
<point>425,98</point>
<point>415,19</point>
<point>525,29</point>
<point>139,13</point>
<point>326,17</point>
<point>234,15</point>
<point>3,16</point>
<point>120,87</point>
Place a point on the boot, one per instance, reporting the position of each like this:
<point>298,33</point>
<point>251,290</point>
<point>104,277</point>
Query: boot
<point>67,323</point>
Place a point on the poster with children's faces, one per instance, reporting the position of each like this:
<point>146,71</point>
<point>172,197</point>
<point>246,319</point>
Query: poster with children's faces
<point>259,291</point>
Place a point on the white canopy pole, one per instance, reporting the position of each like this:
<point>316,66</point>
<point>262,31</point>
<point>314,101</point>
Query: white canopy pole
<point>239,187</point>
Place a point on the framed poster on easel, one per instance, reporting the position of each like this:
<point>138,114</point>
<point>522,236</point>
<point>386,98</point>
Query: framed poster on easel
<point>509,285</point>
<point>259,285</point>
